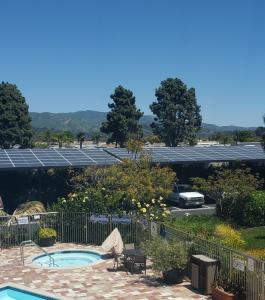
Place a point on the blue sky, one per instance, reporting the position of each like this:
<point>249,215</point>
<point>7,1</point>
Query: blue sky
<point>70,55</point>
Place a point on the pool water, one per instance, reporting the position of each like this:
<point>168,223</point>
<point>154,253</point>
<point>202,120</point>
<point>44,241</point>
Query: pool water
<point>68,259</point>
<point>10,293</point>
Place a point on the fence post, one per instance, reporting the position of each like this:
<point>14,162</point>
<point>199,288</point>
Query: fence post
<point>62,227</point>
<point>86,216</point>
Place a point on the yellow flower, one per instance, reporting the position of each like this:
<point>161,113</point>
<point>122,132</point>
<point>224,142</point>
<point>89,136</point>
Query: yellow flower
<point>147,205</point>
<point>138,204</point>
<point>163,214</point>
<point>153,201</point>
<point>143,210</point>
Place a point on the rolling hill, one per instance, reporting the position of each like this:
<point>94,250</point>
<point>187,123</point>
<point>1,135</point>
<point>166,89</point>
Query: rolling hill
<point>90,121</point>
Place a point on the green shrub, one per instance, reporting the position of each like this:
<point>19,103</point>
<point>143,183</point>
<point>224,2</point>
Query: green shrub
<point>166,256</point>
<point>254,212</point>
<point>201,226</point>
<point>47,233</point>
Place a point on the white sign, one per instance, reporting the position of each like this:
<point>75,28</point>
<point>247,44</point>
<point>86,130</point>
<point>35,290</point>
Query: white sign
<point>238,264</point>
<point>251,264</point>
<point>36,217</point>
<point>22,220</point>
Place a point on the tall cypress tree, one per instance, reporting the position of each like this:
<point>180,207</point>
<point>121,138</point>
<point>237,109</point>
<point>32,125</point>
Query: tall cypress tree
<point>15,122</point>
<point>123,118</point>
<point>178,116</point>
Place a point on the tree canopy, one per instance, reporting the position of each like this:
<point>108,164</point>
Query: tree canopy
<point>15,122</point>
<point>123,118</point>
<point>178,116</point>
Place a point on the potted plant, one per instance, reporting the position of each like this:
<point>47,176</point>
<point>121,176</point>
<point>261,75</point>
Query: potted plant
<point>47,237</point>
<point>226,290</point>
<point>170,258</point>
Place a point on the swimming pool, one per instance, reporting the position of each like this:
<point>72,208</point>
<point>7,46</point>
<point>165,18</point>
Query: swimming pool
<point>14,293</point>
<point>69,258</point>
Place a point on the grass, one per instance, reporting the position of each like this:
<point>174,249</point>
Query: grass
<point>204,227</point>
<point>254,237</point>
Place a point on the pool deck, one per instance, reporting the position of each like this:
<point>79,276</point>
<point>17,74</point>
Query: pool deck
<point>98,281</point>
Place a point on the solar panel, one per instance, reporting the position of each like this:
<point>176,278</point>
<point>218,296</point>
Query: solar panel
<point>50,158</point>
<point>196,154</point>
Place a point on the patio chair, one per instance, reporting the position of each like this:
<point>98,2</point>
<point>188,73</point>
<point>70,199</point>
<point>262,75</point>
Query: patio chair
<point>138,261</point>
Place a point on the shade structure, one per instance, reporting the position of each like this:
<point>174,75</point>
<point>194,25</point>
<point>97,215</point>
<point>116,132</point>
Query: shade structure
<point>54,158</point>
<point>180,155</point>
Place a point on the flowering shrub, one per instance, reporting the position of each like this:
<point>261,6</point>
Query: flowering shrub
<point>228,236</point>
<point>259,253</point>
<point>131,186</point>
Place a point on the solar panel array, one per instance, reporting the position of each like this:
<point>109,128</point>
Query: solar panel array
<point>45,158</point>
<point>195,154</point>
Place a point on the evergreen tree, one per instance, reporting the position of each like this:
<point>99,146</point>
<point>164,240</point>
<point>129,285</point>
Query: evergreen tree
<point>178,116</point>
<point>15,122</point>
<point>123,118</point>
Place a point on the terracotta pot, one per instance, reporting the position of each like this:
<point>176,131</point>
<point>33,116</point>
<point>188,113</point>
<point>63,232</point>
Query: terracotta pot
<point>219,294</point>
<point>47,242</point>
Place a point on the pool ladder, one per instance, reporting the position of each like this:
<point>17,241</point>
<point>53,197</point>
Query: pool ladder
<point>31,243</point>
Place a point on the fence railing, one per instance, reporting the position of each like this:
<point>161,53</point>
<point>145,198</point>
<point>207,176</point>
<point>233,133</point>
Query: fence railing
<point>235,266</point>
<point>70,227</point>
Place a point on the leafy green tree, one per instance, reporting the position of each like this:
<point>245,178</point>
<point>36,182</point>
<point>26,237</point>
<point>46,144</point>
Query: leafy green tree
<point>231,189</point>
<point>260,131</point>
<point>244,135</point>
<point>80,138</point>
<point>15,122</point>
<point>134,146</point>
<point>95,137</point>
<point>123,118</point>
<point>178,116</point>
<point>63,137</point>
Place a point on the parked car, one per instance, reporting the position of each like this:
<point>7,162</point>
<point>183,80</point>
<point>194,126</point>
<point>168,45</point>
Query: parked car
<point>183,196</point>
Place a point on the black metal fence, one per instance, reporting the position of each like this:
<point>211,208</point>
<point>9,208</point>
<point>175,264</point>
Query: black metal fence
<point>235,266</point>
<point>70,227</point>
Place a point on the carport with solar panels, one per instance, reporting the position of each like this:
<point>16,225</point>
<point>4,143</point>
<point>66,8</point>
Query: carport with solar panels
<point>54,158</point>
<point>79,158</point>
<point>191,155</point>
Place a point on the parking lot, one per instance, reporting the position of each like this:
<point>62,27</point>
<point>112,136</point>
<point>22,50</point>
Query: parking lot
<point>207,209</point>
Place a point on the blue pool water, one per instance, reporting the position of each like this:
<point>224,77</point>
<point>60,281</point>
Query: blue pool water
<point>10,293</point>
<point>68,259</point>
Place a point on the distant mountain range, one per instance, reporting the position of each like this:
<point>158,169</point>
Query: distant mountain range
<point>90,121</point>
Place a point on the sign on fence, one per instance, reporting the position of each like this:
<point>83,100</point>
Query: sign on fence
<point>251,264</point>
<point>121,220</point>
<point>22,220</point>
<point>102,219</point>
<point>239,264</point>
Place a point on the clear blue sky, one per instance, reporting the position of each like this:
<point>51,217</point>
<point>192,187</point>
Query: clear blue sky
<point>70,55</point>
